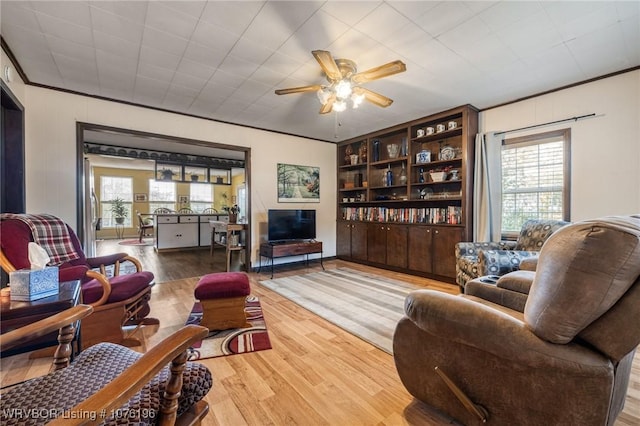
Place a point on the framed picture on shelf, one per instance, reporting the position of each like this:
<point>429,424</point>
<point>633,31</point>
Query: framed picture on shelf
<point>183,199</point>
<point>298,184</point>
<point>140,198</point>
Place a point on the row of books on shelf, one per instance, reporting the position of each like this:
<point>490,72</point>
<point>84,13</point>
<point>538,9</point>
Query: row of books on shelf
<point>451,215</point>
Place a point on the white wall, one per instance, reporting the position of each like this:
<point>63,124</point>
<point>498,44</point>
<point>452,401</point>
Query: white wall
<point>51,118</point>
<point>605,150</point>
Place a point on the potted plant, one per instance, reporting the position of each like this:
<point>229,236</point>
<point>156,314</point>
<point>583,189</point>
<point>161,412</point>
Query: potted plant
<point>233,213</point>
<point>167,174</point>
<point>119,210</point>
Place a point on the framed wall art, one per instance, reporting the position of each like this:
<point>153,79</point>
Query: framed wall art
<point>140,198</point>
<point>298,184</point>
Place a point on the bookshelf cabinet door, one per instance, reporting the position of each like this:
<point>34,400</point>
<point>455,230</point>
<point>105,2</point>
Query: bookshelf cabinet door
<point>397,245</point>
<point>420,251</point>
<point>359,241</point>
<point>444,243</point>
<point>343,239</point>
<point>377,243</point>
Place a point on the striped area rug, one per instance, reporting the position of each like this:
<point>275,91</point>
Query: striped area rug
<point>365,305</point>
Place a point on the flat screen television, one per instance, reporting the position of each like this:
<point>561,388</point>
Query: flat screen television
<point>287,225</point>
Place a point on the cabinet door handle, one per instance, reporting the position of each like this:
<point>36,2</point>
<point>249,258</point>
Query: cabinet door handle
<point>428,231</point>
<point>436,231</point>
<point>388,228</point>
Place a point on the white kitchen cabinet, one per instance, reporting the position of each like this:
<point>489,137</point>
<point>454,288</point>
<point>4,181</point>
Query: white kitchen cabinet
<point>184,230</point>
<point>176,231</point>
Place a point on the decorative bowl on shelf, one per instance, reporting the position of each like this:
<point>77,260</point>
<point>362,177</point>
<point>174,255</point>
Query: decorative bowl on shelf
<point>438,176</point>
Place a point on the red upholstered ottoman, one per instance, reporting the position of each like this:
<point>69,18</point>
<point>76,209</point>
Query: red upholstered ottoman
<point>222,296</point>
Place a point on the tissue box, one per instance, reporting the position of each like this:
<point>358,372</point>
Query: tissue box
<point>28,285</point>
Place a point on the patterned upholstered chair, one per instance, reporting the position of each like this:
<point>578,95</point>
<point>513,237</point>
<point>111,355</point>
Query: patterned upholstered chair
<point>107,382</point>
<point>500,257</point>
<point>119,299</point>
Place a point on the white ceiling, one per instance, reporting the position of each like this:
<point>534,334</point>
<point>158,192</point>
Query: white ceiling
<point>224,59</point>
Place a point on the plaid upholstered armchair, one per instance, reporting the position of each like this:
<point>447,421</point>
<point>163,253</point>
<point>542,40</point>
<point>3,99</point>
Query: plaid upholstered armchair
<point>108,383</point>
<point>119,299</point>
<point>497,258</point>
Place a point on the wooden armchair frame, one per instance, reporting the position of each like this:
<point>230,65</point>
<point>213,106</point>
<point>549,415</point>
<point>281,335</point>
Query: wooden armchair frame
<point>112,396</point>
<point>144,225</point>
<point>108,319</point>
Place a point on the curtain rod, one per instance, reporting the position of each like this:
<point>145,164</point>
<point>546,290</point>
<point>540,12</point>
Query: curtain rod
<point>547,124</point>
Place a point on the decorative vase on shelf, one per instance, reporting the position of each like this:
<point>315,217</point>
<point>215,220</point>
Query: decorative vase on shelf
<point>393,149</point>
<point>362,152</point>
<point>376,150</point>
<point>348,152</point>
<point>402,177</point>
<point>389,176</point>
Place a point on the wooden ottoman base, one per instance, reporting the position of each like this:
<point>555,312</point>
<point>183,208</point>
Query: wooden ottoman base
<point>222,314</point>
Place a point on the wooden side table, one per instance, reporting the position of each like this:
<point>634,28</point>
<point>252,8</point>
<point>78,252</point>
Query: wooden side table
<point>233,240</point>
<point>16,314</point>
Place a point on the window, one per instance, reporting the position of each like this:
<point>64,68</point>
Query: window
<point>242,200</point>
<point>535,179</point>
<point>161,195</point>
<point>112,187</point>
<point>200,197</point>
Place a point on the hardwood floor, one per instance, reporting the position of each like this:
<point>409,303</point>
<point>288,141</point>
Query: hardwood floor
<point>316,373</point>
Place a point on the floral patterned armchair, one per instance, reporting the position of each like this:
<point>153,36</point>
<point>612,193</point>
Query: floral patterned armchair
<point>476,259</point>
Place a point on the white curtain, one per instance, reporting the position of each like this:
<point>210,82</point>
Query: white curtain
<point>487,195</point>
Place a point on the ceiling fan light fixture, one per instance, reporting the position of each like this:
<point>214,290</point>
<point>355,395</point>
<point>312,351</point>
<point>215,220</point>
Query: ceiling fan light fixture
<point>345,83</point>
<point>343,89</point>
<point>339,106</point>
<point>356,99</point>
<point>323,95</point>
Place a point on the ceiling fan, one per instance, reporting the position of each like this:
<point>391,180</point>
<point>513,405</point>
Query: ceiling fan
<point>344,83</point>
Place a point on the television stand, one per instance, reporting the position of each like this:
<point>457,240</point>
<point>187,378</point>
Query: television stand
<point>289,248</point>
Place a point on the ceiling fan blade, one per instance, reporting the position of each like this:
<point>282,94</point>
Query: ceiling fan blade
<point>328,106</point>
<point>328,64</point>
<point>385,70</point>
<point>302,89</point>
<point>373,97</point>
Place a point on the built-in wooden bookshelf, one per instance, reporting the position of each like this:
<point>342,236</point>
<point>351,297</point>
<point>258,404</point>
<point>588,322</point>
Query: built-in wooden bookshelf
<point>409,190</point>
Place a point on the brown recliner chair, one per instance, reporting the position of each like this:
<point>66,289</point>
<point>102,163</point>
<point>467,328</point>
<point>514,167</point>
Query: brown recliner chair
<point>565,361</point>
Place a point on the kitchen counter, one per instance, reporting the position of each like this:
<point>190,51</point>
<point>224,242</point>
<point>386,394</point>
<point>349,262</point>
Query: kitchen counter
<point>182,230</point>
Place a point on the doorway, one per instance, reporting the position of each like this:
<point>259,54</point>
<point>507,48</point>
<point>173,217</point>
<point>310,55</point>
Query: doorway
<point>133,147</point>
<point>12,186</point>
